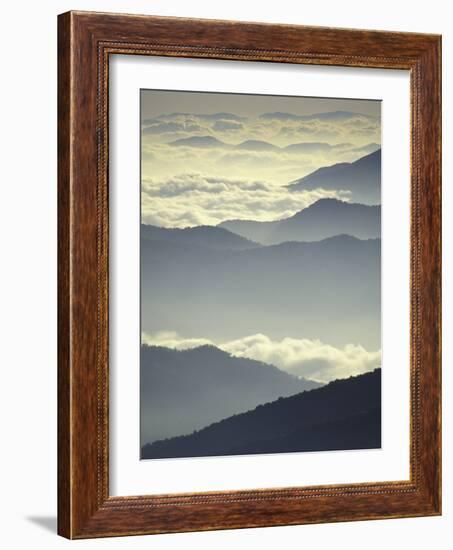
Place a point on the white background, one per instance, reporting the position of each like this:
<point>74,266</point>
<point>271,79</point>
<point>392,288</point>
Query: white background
<point>28,272</point>
<point>129,476</point>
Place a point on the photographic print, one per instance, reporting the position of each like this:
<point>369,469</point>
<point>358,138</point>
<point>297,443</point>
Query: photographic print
<point>260,247</point>
<point>229,242</point>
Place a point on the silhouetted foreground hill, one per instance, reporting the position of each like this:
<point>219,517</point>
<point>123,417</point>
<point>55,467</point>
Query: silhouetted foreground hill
<point>321,220</point>
<point>345,414</point>
<point>186,390</point>
<point>362,178</point>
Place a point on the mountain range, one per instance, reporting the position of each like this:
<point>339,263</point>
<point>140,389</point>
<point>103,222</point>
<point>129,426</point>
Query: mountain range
<point>302,291</point>
<point>342,415</point>
<point>186,390</point>
<point>328,115</point>
<point>362,178</point>
<point>211,142</point>
<point>325,218</point>
<point>203,235</point>
<point>327,289</point>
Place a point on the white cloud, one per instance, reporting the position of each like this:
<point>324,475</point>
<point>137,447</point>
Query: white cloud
<point>196,199</point>
<point>185,185</point>
<point>280,130</point>
<point>171,339</point>
<point>308,358</point>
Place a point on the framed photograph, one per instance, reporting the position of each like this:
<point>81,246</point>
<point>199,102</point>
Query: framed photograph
<point>249,275</point>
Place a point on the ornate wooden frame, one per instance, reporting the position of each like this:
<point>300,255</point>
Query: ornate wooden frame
<point>85,42</point>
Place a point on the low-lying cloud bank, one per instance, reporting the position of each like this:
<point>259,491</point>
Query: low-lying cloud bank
<point>281,128</point>
<point>195,199</point>
<point>276,147</point>
<point>302,357</point>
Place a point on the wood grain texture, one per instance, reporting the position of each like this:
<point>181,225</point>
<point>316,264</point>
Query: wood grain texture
<point>64,391</point>
<point>86,40</point>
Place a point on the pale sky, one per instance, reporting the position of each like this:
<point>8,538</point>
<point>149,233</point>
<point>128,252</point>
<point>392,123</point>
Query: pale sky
<point>155,103</point>
<point>209,157</point>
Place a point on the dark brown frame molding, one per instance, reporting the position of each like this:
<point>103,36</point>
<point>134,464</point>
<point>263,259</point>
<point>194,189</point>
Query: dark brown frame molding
<point>86,41</point>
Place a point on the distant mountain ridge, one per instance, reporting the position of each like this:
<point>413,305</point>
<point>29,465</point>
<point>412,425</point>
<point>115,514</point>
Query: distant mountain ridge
<point>327,290</point>
<point>198,141</point>
<point>202,235</point>
<point>203,116</point>
<point>329,115</point>
<point>189,389</point>
<point>276,115</point>
<point>257,145</point>
<point>362,178</point>
<point>209,142</point>
<point>323,219</point>
<point>344,414</point>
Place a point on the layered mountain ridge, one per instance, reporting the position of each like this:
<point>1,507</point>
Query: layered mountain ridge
<point>342,415</point>
<point>323,219</point>
<point>183,390</point>
<point>361,178</point>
